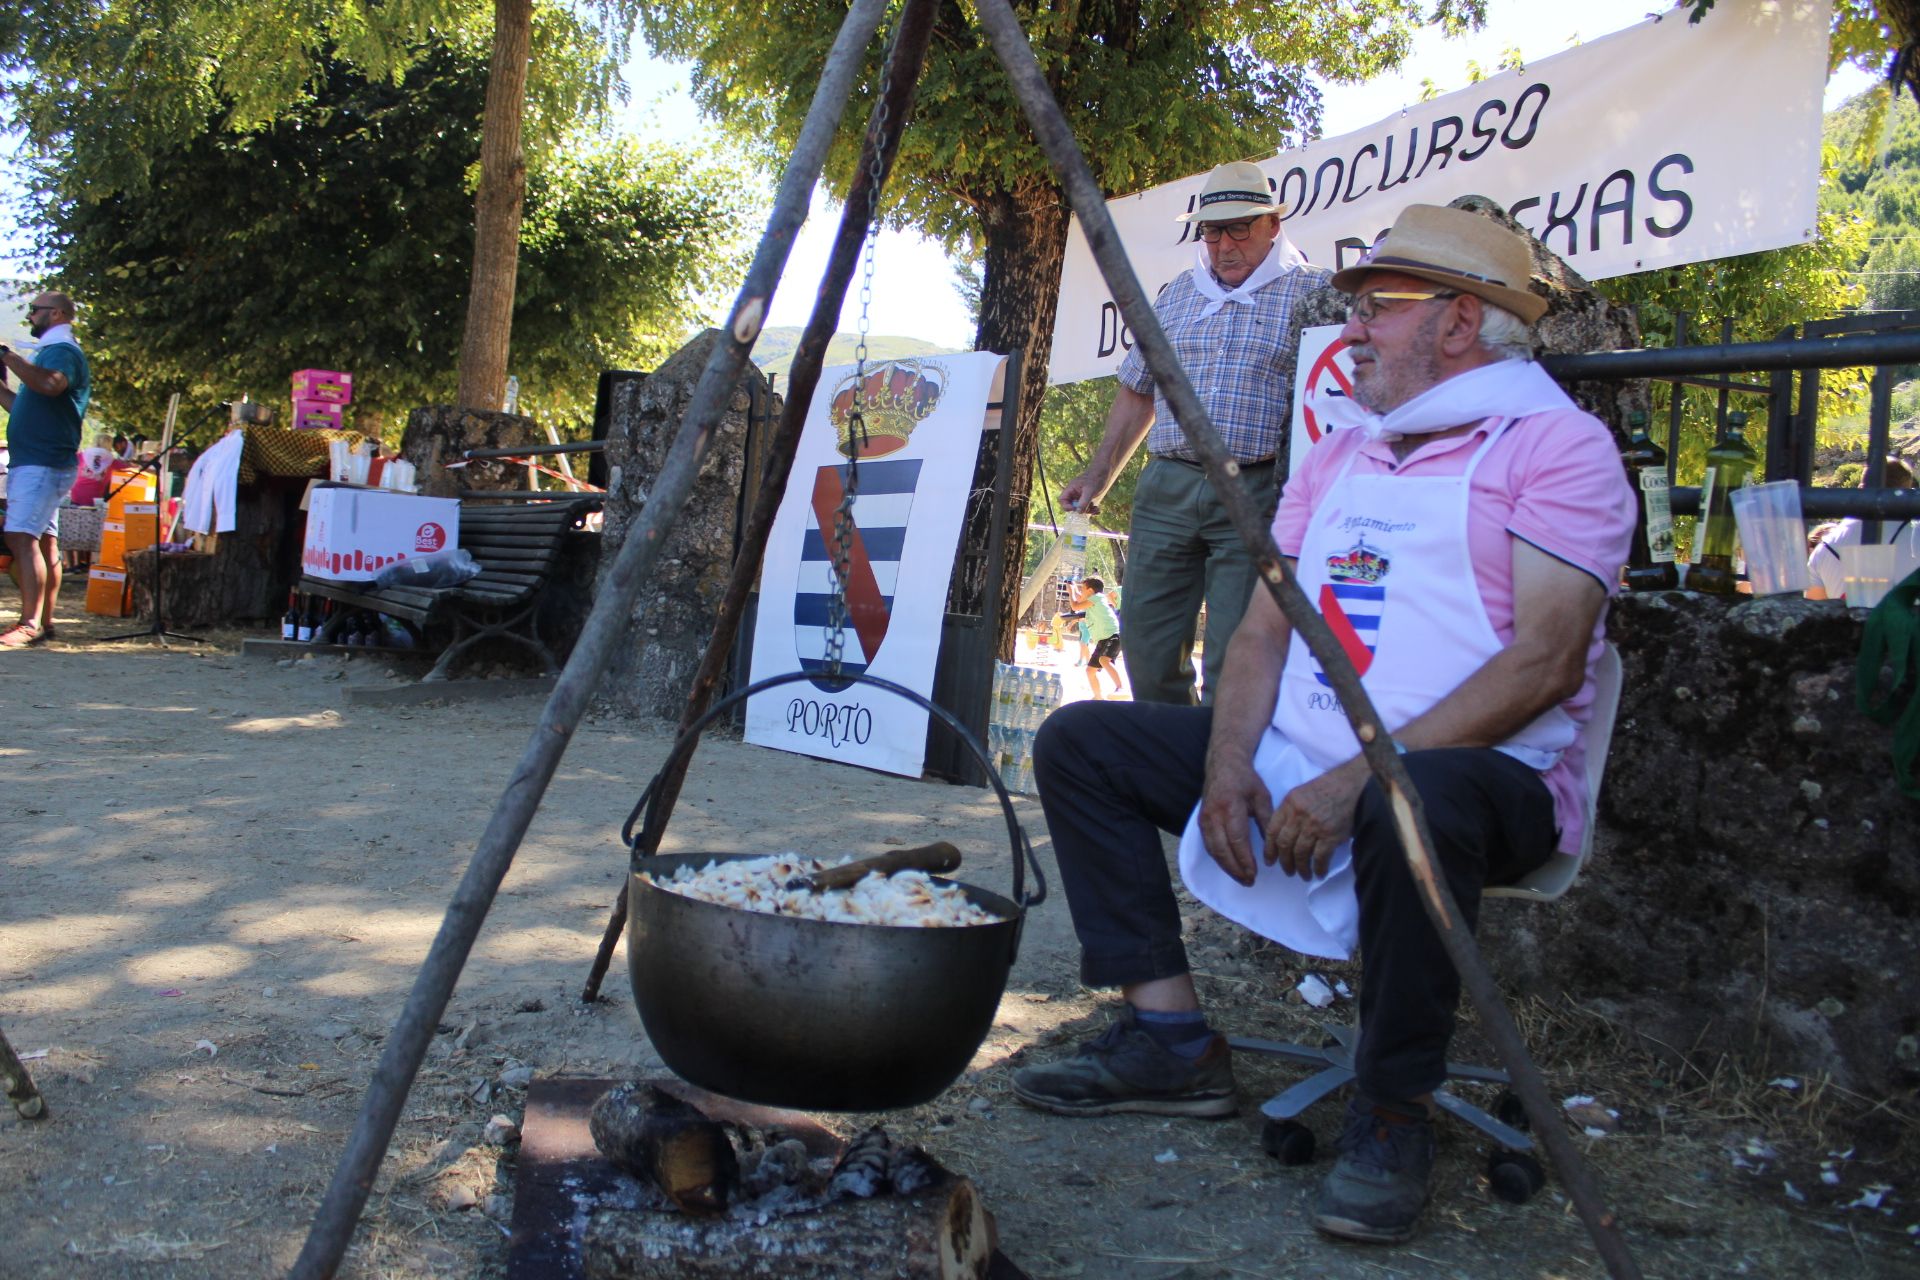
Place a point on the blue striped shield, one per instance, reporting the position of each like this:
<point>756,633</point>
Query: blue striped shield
<point>880,512</point>
<point>1352,601</point>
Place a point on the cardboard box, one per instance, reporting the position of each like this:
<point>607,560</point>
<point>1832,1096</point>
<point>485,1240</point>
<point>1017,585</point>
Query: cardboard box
<point>140,489</point>
<point>352,534</point>
<point>108,592</point>
<point>323,384</point>
<point>321,415</point>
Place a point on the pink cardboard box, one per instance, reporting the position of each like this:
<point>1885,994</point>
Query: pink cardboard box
<point>323,384</point>
<point>322,414</point>
<point>352,534</point>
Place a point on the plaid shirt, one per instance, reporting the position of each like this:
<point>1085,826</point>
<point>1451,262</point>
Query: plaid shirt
<point>1240,359</point>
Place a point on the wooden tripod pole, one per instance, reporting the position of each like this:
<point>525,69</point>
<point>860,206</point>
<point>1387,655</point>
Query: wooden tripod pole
<point>606,625</point>
<point>1089,204</point>
<point>902,78</point>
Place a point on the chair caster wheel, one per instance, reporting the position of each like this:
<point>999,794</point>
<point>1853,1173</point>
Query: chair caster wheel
<point>1514,1176</point>
<point>1509,1110</point>
<point>1288,1141</point>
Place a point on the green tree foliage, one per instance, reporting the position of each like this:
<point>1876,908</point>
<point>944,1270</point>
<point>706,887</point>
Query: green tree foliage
<point>1876,176</point>
<point>1071,422</point>
<point>137,76</point>
<point>1154,90</point>
<point>339,236</point>
<point>1764,293</point>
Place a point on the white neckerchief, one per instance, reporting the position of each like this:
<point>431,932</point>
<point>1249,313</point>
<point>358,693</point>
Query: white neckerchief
<point>1503,389</point>
<point>1281,258</point>
<point>58,333</point>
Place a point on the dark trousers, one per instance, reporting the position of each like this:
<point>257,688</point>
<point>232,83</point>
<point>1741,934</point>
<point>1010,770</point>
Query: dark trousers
<point>1113,776</point>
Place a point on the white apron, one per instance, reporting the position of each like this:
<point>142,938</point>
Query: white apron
<point>1386,559</point>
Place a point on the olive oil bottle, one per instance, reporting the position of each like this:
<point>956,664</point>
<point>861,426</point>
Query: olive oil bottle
<point>1650,559</point>
<point>1731,464</point>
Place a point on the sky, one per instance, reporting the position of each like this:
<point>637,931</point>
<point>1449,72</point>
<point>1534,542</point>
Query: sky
<point>914,294</point>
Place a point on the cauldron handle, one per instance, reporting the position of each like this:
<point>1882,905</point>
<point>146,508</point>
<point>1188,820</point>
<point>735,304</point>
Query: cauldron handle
<point>683,747</point>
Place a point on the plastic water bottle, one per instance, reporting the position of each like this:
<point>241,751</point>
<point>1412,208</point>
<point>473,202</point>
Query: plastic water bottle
<point>1073,559</point>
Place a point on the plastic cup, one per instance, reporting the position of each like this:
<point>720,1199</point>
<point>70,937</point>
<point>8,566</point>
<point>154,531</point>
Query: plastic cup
<point>1868,573</point>
<point>1906,555</point>
<point>1774,537</point>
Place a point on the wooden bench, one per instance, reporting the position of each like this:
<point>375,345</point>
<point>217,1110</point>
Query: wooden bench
<point>516,545</point>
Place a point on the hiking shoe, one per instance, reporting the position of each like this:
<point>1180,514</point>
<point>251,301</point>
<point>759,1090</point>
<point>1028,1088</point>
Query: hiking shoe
<point>1378,1187</point>
<point>1125,1069</point>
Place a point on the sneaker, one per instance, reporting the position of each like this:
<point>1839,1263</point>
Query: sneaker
<point>1125,1069</point>
<point>1378,1187</point>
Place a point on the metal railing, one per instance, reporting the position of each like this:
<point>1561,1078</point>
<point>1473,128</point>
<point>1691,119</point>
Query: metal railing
<point>1881,341</point>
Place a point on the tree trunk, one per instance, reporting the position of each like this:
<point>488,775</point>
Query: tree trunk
<point>1025,235</point>
<point>496,221</point>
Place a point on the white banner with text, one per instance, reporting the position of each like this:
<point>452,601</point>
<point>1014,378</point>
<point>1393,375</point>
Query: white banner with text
<point>1664,144</point>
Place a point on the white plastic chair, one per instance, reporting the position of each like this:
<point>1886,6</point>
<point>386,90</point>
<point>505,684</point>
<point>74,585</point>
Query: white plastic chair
<point>1291,1142</point>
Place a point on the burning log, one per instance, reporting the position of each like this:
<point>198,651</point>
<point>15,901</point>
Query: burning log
<point>880,1209</point>
<point>669,1144</point>
<point>18,1085</point>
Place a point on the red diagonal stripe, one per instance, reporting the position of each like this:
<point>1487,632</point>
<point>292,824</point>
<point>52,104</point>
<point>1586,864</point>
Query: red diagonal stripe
<point>865,609</point>
<point>1342,626</point>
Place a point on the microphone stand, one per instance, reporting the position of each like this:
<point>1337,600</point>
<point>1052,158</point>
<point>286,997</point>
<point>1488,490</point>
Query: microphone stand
<point>158,631</point>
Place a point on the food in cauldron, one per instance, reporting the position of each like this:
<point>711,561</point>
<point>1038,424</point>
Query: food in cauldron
<point>777,885</point>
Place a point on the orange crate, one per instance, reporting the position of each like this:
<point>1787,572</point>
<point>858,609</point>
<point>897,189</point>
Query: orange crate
<point>136,491</point>
<point>136,527</point>
<point>108,592</point>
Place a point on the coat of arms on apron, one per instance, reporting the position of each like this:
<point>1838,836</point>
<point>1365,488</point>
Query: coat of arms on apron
<point>1352,601</point>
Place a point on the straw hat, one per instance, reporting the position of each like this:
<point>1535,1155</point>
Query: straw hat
<point>1456,248</point>
<point>1237,189</point>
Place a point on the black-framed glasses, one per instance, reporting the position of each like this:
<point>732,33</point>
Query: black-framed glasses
<point>45,306</point>
<point>1212,231</point>
<point>1366,307</point>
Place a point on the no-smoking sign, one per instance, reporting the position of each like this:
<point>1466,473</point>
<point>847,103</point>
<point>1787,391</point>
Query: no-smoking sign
<point>1323,365</point>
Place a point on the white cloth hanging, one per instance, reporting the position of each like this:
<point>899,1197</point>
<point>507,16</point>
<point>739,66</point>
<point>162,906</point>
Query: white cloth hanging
<point>213,487</point>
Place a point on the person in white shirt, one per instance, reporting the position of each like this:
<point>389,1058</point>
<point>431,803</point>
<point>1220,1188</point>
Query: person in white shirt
<point>1829,576</point>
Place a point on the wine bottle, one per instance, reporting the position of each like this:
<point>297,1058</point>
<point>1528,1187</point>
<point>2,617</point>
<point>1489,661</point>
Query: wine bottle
<point>290,620</point>
<point>1650,558</point>
<point>1730,465</point>
<point>303,626</point>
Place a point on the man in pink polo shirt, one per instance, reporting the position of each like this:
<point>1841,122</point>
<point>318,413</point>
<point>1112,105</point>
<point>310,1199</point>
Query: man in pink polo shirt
<point>1462,542</point>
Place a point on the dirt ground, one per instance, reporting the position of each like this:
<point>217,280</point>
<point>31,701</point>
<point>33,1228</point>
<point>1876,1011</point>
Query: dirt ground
<point>219,876</point>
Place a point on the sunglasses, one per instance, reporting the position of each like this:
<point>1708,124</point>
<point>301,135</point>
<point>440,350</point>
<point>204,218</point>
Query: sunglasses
<point>1212,231</point>
<point>1365,308</point>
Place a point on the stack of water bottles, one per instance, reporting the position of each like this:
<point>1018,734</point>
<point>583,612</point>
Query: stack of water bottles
<point>1022,698</point>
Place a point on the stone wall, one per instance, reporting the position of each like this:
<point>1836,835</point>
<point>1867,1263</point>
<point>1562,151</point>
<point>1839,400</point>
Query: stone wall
<point>437,434</point>
<point>1755,887</point>
<point>674,614</point>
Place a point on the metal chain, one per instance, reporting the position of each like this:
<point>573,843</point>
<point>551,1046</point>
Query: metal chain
<point>836,628</point>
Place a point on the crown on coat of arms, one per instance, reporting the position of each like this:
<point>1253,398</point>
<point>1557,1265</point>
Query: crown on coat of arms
<point>894,399</point>
<point>1362,564</point>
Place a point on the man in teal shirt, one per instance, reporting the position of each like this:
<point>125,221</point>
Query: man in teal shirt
<point>43,443</point>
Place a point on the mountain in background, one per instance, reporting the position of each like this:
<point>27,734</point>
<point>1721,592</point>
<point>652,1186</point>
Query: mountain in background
<point>1877,175</point>
<point>774,352</point>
